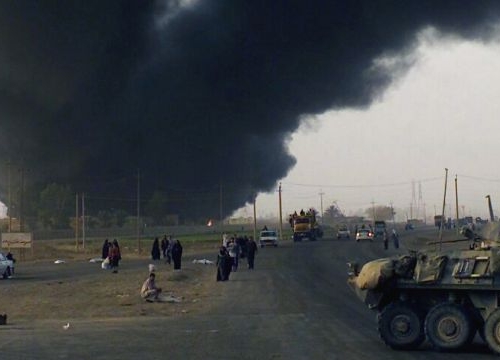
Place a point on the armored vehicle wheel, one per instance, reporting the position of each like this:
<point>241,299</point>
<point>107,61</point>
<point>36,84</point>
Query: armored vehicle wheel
<point>448,326</point>
<point>492,331</point>
<point>401,326</point>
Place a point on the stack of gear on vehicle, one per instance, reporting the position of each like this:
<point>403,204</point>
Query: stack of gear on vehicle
<point>305,225</point>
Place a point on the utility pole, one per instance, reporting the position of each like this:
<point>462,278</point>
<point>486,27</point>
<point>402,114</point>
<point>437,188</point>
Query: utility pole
<point>373,210</point>
<point>9,164</point>
<point>138,211</point>
<point>490,208</point>
<point>413,201</point>
<point>280,213</point>
<point>419,202</point>
<point>221,220</point>
<point>456,203</point>
<point>21,202</point>
<point>83,221</point>
<point>77,220</point>
<point>321,193</point>
<point>442,213</point>
<point>255,217</point>
<point>393,217</point>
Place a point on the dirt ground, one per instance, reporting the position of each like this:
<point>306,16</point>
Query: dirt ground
<point>78,289</point>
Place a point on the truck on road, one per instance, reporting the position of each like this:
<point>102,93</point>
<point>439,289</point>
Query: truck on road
<point>306,226</point>
<point>379,228</point>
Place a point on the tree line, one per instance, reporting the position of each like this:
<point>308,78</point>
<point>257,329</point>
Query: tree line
<point>55,207</point>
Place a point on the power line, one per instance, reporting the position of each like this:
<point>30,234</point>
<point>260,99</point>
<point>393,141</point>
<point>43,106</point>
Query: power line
<point>363,185</point>
<point>478,178</point>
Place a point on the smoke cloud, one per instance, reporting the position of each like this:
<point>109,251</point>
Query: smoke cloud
<point>201,96</point>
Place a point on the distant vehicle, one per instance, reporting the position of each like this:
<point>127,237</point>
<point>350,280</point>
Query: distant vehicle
<point>343,232</point>
<point>409,226</point>
<point>6,266</point>
<point>379,228</point>
<point>480,221</point>
<point>268,238</point>
<point>364,234</point>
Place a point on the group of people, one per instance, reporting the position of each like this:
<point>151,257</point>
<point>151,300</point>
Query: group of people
<point>311,213</point>
<point>232,250</point>
<point>170,249</point>
<point>111,255</point>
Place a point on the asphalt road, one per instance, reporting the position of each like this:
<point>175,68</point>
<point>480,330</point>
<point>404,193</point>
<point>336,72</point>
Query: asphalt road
<point>294,305</point>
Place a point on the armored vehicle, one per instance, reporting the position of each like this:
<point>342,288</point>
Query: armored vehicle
<point>444,297</point>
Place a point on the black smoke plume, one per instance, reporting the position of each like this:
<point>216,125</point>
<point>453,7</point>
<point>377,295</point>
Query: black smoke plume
<point>201,96</point>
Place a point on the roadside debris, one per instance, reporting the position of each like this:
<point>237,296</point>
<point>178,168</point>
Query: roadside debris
<point>169,298</point>
<point>203,261</point>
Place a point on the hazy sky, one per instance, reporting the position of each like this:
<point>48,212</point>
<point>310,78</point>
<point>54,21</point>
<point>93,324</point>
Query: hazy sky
<point>442,113</point>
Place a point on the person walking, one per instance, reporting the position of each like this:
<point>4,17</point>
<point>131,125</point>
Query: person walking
<point>114,256</point>
<point>234,253</point>
<point>222,267</point>
<point>251,250</point>
<point>386,240</point>
<point>395,239</point>
<point>155,250</point>
<point>168,252</point>
<point>164,246</point>
<point>105,249</point>
<point>177,254</point>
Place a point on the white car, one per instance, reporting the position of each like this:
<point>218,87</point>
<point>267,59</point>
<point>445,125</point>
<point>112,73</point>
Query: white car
<point>364,234</point>
<point>343,232</point>
<point>268,237</point>
<point>6,267</point>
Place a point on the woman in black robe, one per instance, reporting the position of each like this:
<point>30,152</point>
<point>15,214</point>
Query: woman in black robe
<point>177,254</point>
<point>105,249</point>
<point>223,259</point>
<point>155,251</point>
